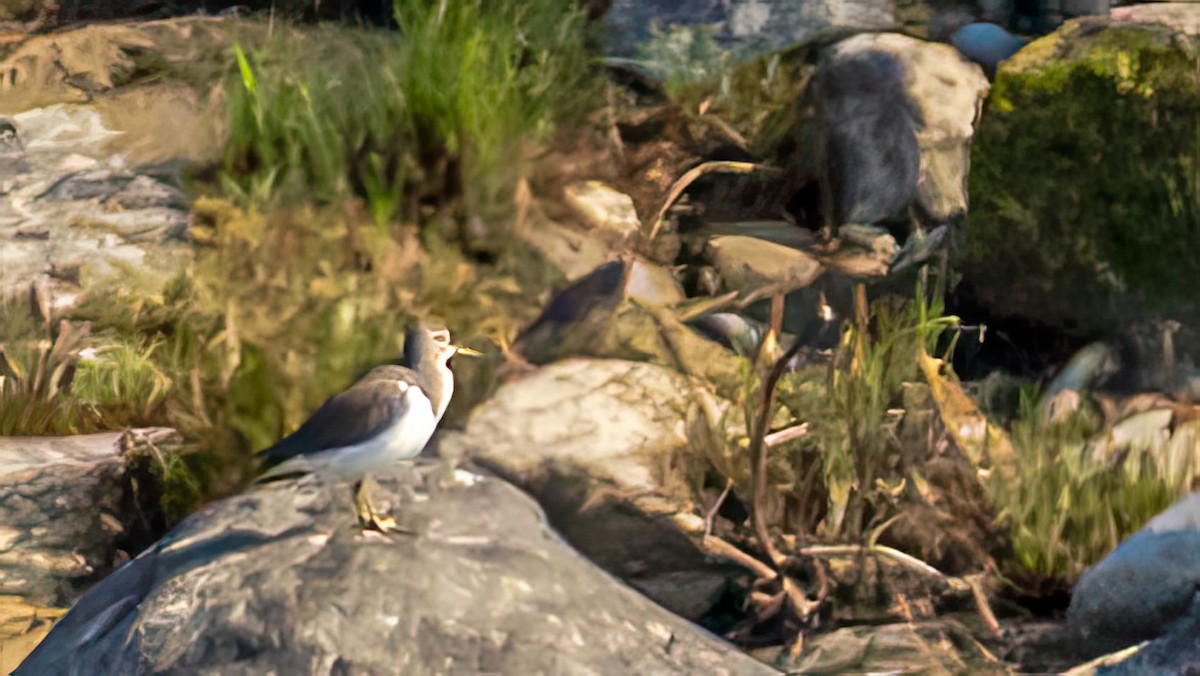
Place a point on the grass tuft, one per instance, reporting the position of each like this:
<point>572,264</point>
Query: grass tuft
<point>446,107</point>
<point>1067,509</point>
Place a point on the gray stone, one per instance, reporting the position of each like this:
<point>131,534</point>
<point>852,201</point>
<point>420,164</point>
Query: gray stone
<point>747,263</point>
<point>281,580</point>
<point>1181,16</point>
<point>604,446</point>
<point>573,252</point>
<point>64,505</point>
<point>1145,584</point>
<point>78,207</point>
<point>623,310</point>
<point>899,116</point>
<point>1175,652</point>
<point>603,208</point>
<point>929,647</point>
<point>742,26</point>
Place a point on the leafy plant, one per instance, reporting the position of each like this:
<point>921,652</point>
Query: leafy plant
<point>448,104</point>
<point>1065,508</point>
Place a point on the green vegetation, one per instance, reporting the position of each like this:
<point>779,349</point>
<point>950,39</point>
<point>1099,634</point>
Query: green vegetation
<point>843,478</point>
<point>61,379</point>
<point>1065,507</point>
<point>280,312</point>
<point>448,107</point>
<point>1113,117</point>
<point>354,160</point>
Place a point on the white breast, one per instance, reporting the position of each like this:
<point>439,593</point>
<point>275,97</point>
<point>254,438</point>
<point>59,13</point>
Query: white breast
<point>404,439</point>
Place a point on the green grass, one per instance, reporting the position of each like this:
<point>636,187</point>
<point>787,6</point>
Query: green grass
<point>1066,510</point>
<point>279,311</point>
<point>58,378</point>
<point>446,108</point>
<point>837,475</point>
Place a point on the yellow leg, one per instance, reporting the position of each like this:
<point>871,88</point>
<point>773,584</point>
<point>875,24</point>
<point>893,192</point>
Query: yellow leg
<point>367,516</point>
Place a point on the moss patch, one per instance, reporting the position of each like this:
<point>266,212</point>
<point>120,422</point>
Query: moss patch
<point>1085,180</point>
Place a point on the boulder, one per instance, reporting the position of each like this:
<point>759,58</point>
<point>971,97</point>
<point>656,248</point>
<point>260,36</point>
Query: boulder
<point>747,263</point>
<point>607,448</point>
<point>1083,198</point>
<point>742,26</point>
<point>603,208</point>
<point>1144,586</point>
<point>929,647</point>
<point>281,580</point>
<point>1174,15</point>
<point>64,510</point>
<point>77,218</point>
<point>571,251</point>
<point>898,116</point>
<point>1175,652</point>
<point>69,510</point>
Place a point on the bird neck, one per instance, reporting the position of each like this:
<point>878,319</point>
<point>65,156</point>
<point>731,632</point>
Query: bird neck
<point>439,383</point>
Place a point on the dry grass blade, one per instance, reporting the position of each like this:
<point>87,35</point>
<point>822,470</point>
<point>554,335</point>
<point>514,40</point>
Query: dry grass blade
<point>690,177</point>
<point>906,560</point>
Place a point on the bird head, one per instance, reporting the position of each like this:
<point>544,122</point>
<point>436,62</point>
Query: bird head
<point>425,347</point>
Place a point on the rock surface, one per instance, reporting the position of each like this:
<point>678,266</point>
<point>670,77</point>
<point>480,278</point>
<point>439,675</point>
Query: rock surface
<point>603,445</point>
<point>281,580</point>
<point>64,503</point>
<point>746,263</point>
<point>932,647</point>
<point>1095,94</point>
<point>623,310</point>
<point>603,208</point>
<point>77,218</point>
<point>899,117</point>
<point>1144,585</point>
<point>744,26</point>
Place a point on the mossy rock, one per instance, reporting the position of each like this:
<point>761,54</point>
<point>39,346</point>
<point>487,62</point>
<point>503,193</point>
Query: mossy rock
<point>1085,182</point>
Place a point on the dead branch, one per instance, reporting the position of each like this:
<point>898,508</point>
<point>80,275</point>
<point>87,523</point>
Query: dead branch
<point>690,177</point>
<point>985,608</point>
<point>906,560</point>
<point>785,435</point>
<point>711,516</point>
<point>718,547</point>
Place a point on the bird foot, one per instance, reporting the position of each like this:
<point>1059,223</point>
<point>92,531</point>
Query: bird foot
<point>370,519</point>
<point>384,524</point>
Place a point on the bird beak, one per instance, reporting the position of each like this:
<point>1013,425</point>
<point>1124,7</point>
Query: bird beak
<point>459,349</point>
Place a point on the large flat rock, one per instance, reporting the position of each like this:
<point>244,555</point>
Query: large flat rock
<point>282,581</point>
<point>606,447</point>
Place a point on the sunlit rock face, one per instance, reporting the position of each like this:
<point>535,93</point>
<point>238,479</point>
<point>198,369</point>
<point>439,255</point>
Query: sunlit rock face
<point>740,25</point>
<point>898,115</point>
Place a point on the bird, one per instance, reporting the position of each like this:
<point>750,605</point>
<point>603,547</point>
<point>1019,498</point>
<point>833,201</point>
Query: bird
<point>386,416</point>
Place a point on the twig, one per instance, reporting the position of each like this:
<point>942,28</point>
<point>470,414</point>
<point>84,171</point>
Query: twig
<point>690,177</point>
<point>718,547</point>
<point>758,451</point>
<point>711,516</point>
<point>906,560</point>
<point>785,435</point>
<point>985,608</point>
<point>797,648</point>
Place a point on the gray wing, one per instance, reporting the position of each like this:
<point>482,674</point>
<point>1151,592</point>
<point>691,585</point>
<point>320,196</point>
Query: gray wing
<point>351,417</point>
